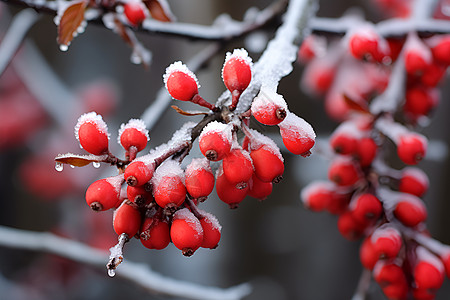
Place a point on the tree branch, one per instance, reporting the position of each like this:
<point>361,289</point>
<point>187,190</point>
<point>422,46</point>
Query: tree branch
<point>136,273</point>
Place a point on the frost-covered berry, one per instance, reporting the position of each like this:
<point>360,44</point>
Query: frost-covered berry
<point>440,48</point>
<point>215,140</point>
<point>134,10</point>
<point>417,55</point>
<point>419,101</point>
<point>366,208</point>
<point>343,171</point>
<point>428,272</point>
<point>317,195</point>
<point>199,178</point>
<point>387,241</point>
<point>411,148</point>
<point>259,189</point>
<point>211,230</point>
<point>139,172</point>
<point>363,43</point>
<point>410,210</point>
<point>297,134</point>
<point>139,195</point>
<point>367,254</point>
<point>269,108</point>
<point>180,82</point>
<point>155,233</point>
<point>237,70</point>
<point>186,231</point>
<point>413,181</point>
<point>366,151</point>
<point>104,194</point>
<point>168,185</point>
<point>238,167</point>
<point>127,219</point>
<point>92,133</point>
<point>349,227</point>
<point>392,279</point>
<point>133,134</point>
<point>228,192</point>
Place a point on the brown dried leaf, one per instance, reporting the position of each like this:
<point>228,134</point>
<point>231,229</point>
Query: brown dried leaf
<point>70,21</point>
<point>354,105</point>
<point>187,113</point>
<point>79,160</point>
<point>159,9</point>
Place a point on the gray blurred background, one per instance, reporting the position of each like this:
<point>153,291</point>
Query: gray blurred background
<point>285,251</point>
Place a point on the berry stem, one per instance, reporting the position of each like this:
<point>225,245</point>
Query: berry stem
<point>235,95</point>
<point>194,209</point>
<point>116,256</point>
<point>197,99</point>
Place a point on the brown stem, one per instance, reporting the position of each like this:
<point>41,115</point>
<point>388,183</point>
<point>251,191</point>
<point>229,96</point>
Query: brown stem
<point>197,99</point>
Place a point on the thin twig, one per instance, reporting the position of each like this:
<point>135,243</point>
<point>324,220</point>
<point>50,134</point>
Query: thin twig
<point>20,25</point>
<point>137,273</point>
<point>363,285</point>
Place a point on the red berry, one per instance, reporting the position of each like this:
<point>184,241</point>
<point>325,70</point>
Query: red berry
<point>366,151</point>
<point>104,194</point>
<point>238,167</point>
<point>297,134</point>
<point>317,195</point>
<point>366,208</point>
<point>180,82</point>
<point>139,172</point>
<point>367,254</point>
<point>155,233</point>
<point>211,230</point>
<point>343,143</point>
<point>433,74</point>
<point>319,75</point>
<point>392,279</point>
<point>410,210</point>
<point>445,259</point>
<point>349,227</point>
<point>428,271</point>
<point>417,55</point>
<point>228,192</point>
<point>186,231</point>
<point>268,162</point>
<point>343,171</point>
<point>134,11</point>
<point>127,219</point>
<point>133,134</point>
<point>411,148</point>
<point>419,101</point>
<point>441,49</point>
<point>363,44</point>
<point>92,133</point>
<point>387,241</point>
<point>199,179</point>
<point>413,181</point>
<point>269,108</point>
<point>259,189</point>
<point>168,187</point>
<point>139,195</point>
<point>215,140</point>
<point>237,70</point>
<point>311,47</point>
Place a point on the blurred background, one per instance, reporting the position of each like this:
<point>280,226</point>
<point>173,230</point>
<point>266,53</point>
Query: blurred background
<point>285,251</point>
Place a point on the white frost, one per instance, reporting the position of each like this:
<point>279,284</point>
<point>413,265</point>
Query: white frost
<point>137,124</point>
<point>178,66</point>
<point>266,98</point>
<point>186,215</point>
<point>223,129</point>
<point>294,123</point>
<point>169,168</point>
<point>92,118</point>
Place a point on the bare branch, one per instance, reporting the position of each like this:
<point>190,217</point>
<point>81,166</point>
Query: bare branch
<point>137,273</point>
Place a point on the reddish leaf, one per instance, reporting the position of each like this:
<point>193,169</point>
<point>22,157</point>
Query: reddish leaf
<point>159,10</point>
<point>79,160</point>
<point>70,21</point>
<point>353,105</point>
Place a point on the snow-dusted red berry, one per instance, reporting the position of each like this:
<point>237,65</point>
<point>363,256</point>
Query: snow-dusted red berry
<point>343,143</point>
<point>237,70</point>
<point>139,172</point>
<point>238,167</point>
<point>317,195</point>
<point>228,192</point>
<point>417,55</point>
<point>411,148</point>
<point>104,194</point>
<point>428,272</point>
<point>343,171</point>
<point>259,189</point>
<point>419,101</point>
<point>410,210</point>
<point>215,140</point>
<point>349,227</point>
<point>168,185</point>
<point>180,82</point>
<point>297,134</point>
<point>311,47</point>
<point>366,151</point>
<point>392,279</point>
<point>199,179</point>
<point>387,241</point>
<point>367,254</point>
<point>363,44</point>
<point>155,233</point>
<point>127,219</point>
<point>211,230</point>
<point>366,208</point>
<point>92,133</point>
<point>440,49</point>
<point>413,181</point>
<point>133,134</point>
<point>139,195</point>
<point>269,108</point>
<point>186,231</point>
<point>134,10</point>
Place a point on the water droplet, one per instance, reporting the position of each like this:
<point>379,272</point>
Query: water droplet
<point>72,166</point>
<point>136,59</point>
<point>59,167</point>
<point>96,164</point>
<point>111,272</point>
<point>63,48</point>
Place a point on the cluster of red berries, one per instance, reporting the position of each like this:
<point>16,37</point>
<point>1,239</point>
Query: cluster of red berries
<point>372,200</point>
<point>155,197</point>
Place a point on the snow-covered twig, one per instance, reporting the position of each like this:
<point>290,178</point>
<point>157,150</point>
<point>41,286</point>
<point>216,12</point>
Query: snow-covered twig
<point>363,285</point>
<point>137,273</point>
<point>15,35</point>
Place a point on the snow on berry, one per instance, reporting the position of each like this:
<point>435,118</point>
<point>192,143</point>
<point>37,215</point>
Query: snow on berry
<point>269,107</point>
<point>258,140</point>
<point>236,71</point>
<point>297,134</point>
<point>215,140</point>
<point>133,133</point>
<point>92,133</point>
<point>180,82</point>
